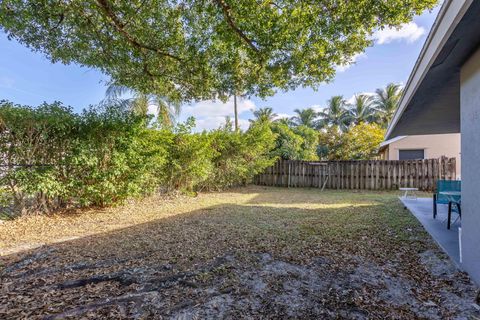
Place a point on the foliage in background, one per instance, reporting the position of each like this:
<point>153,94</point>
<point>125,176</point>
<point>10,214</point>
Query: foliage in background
<point>360,142</point>
<point>294,143</point>
<point>305,117</point>
<point>362,110</point>
<point>367,108</point>
<point>53,158</point>
<point>263,115</point>
<point>341,131</point>
<point>386,102</point>
<point>239,155</point>
<point>335,114</point>
<point>166,110</point>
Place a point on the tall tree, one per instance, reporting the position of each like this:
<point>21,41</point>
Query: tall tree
<point>335,114</point>
<point>284,121</point>
<point>192,50</point>
<point>264,115</point>
<point>305,117</point>
<point>167,111</point>
<point>362,109</point>
<point>386,102</point>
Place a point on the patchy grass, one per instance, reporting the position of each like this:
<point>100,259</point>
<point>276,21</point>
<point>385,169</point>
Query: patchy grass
<point>251,252</point>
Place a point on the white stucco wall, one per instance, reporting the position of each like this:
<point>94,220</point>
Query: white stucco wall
<point>434,146</point>
<point>470,127</point>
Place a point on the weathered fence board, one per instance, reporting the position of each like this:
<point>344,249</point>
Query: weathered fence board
<point>363,174</point>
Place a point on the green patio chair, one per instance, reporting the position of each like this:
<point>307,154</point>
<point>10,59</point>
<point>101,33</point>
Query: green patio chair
<point>444,185</point>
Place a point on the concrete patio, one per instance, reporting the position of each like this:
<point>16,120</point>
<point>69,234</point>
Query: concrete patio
<point>448,240</point>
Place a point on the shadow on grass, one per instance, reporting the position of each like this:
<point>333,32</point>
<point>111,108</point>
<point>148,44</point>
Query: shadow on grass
<point>269,195</point>
<point>235,261</point>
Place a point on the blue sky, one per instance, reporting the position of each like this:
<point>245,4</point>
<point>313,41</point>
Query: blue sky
<point>29,78</point>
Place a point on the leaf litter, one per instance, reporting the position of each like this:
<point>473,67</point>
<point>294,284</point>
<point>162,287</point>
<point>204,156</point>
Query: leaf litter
<point>246,253</point>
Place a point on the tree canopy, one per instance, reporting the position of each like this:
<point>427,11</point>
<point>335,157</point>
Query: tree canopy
<point>188,50</point>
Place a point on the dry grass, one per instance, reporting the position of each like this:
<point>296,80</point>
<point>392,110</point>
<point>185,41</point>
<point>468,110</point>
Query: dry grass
<point>251,252</point>
<point>37,230</point>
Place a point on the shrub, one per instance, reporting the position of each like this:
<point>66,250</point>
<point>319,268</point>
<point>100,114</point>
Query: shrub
<point>295,143</point>
<point>53,158</point>
<point>360,142</point>
<point>108,164</point>
<point>34,145</point>
<point>189,158</point>
<point>239,156</point>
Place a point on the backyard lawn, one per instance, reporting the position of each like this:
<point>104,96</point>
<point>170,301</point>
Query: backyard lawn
<point>248,253</point>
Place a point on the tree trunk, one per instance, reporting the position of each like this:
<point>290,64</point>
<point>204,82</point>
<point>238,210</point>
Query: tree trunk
<point>235,111</point>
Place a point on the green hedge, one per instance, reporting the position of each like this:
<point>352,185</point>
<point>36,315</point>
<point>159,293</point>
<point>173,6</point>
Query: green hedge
<point>53,158</point>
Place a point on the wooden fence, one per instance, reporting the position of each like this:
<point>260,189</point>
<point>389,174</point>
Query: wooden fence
<point>368,174</point>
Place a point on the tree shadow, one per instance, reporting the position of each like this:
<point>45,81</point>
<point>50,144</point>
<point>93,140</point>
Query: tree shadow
<point>233,261</point>
<point>281,195</point>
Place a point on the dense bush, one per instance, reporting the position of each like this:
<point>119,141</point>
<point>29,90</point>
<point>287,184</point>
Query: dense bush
<point>359,142</point>
<point>35,146</point>
<point>52,157</point>
<point>295,143</point>
<point>238,156</point>
<point>189,158</point>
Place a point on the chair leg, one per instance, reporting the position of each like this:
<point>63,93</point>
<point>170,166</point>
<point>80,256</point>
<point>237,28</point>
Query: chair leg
<point>449,214</point>
<point>434,206</point>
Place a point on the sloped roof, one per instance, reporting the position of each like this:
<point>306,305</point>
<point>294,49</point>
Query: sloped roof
<point>430,103</point>
<point>387,142</point>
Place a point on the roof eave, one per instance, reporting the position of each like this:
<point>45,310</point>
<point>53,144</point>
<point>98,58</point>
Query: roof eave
<point>447,19</point>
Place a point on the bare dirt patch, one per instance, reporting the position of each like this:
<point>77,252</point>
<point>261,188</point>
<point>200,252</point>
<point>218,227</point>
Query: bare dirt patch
<point>249,253</point>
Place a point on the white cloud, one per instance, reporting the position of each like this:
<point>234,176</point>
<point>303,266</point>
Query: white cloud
<point>210,114</point>
<point>355,58</point>
<point>409,32</point>
<point>212,108</point>
<point>211,123</point>
<point>351,100</point>
<point>317,107</point>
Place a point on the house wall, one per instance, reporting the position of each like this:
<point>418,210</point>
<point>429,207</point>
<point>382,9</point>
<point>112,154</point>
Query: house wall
<point>435,146</point>
<point>470,128</point>
<point>383,155</point>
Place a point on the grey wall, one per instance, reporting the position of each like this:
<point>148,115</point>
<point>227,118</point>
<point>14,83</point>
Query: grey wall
<point>470,146</point>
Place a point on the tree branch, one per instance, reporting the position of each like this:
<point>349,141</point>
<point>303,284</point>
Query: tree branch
<point>119,26</point>
<point>228,16</point>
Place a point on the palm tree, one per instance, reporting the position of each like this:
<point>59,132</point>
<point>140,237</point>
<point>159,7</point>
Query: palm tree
<point>386,102</point>
<point>167,110</point>
<point>362,109</point>
<point>263,115</point>
<point>306,117</point>
<point>284,120</point>
<point>336,113</point>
